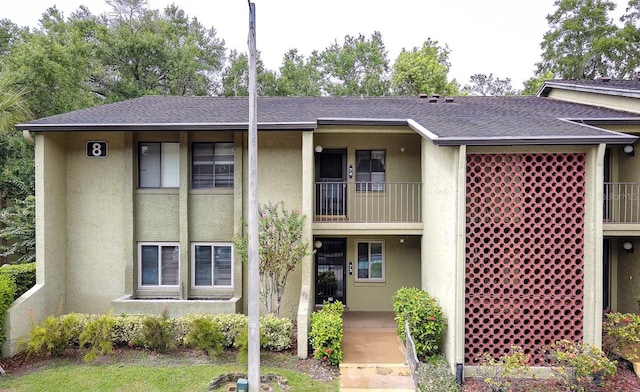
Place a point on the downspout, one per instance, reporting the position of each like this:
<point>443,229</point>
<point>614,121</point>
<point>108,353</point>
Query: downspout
<point>28,136</point>
<point>460,266</point>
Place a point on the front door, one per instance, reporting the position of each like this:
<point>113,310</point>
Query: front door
<point>331,258</point>
<point>331,182</point>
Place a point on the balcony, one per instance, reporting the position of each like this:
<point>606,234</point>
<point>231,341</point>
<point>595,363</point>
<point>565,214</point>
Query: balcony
<point>368,202</point>
<point>621,202</point>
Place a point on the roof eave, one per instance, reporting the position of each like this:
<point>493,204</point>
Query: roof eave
<point>533,140</point>
<point>242,126</point>
<point>606,90</point>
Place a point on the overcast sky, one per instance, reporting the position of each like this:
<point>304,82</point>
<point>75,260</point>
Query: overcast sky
<point>485,36</point>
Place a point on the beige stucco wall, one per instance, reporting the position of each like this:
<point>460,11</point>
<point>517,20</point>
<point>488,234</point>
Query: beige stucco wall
<point>401,269</point>
<point>442,259</point>
<point>48,296</point>
<point>279,179</point>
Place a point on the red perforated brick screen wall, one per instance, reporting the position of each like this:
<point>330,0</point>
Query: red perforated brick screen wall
<point>524,252</point>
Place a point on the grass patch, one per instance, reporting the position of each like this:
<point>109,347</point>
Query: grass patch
<point>143,371</point>
<point>127,378</point>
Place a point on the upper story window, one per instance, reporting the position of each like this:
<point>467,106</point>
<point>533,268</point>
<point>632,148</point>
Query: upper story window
<point>212,165</point>
<point>370,170</point>
<point>159,264</point>
<point>212,265</point>
<point>370,256</point>
<point>159,165</point>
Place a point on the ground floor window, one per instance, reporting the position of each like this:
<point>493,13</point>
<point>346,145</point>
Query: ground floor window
<point>212,264</point>
<point>370,256</point>
<point>159,264</point>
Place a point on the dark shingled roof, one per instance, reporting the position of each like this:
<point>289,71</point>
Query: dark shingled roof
<point>465,120</point>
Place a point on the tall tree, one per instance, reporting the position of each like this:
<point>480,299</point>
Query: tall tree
<point>481,84</point>
<point>423,71</point>
<point>148,52</point>
<point>299,77</point>
<point>627,46</point>
<point>579,41</point>
<point>533,84</point>
<point>56,63</point>
<point>235,77</point>
<point>357,67</point>
<point>16,177</point>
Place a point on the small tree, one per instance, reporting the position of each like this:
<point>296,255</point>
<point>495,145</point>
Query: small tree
<point>281,249</point>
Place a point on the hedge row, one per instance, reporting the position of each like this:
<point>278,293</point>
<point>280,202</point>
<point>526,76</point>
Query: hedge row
<point>158,332</point>
<point>23,275</point>
<point>326,333</point>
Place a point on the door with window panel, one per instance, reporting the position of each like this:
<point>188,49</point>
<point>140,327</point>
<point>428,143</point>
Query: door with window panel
<point>330,272</point>
<point>331,197</point>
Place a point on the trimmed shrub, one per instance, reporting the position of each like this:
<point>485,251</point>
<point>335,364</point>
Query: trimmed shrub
<point>54,336</point>
<point>426,320</point>
<point>621,331</point>
<point>98,334</point>
<point>435,376</point>
<point>275,333</point>
<point>23,275</point>
<point>157,332</point>
<point>204,334</point>
<point>7,294</point>
<point>230,326</point>
<point>326,333</point>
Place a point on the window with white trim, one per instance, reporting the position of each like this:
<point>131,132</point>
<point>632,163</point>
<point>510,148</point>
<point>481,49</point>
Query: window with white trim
<point>212,165</point>
<point>159,165</point>
<point>370,170</point>
<point>159,264</point>
<point>370,259</point>
<point>212,264</point>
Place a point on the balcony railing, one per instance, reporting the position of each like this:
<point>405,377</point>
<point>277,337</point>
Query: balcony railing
<point>368,202</point>
<point>622,202</point>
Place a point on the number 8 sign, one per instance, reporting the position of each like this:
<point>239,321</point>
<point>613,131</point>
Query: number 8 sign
<point>97,149</point>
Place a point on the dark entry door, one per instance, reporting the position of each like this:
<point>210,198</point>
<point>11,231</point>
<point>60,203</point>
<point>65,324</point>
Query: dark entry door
<point>331,182</point>
<point>331,258</point>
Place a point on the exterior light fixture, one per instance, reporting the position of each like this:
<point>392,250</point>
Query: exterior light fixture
<point>628,149</point>
<point>628,246</point>
<point>318,244</point>
<point>318,149</point>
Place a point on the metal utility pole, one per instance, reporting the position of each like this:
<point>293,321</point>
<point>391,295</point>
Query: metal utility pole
<point>253,245</point>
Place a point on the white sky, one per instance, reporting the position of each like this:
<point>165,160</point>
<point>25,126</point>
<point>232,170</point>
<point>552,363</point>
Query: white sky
<point>485,36</point>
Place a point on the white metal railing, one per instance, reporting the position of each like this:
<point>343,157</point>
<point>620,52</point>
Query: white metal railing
<point>621,202</point>
<point>412,356</point>
<point>368,202</point>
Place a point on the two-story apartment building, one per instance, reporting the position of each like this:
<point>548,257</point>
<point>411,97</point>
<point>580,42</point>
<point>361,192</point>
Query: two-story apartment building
<point>494,205</point>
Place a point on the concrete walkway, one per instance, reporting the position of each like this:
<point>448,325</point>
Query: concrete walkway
<point>374,357</point>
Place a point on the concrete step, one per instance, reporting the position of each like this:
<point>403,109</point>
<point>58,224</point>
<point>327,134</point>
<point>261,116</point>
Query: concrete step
<point>374,369</point>
<point>376,383</point>
<point>375,377</point>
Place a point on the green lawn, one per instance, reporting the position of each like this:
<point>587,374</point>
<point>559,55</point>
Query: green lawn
<point>145,371</point>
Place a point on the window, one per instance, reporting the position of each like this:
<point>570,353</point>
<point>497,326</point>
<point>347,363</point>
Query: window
<point>159,264</point>
<point>212,265</point>
<point>159,165</point>
<point>212,165</point>
<point>370,170</point>
<point>370,260</point>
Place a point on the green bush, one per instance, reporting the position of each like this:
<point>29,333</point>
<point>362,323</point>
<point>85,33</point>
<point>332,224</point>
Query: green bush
<point>98,334</point>
<point>204,334</point>
<point>578,362</point>
<point>7,293</point>
<point>127,330</point>
<point>275,333</point>
<point>621,331</point>
<point>426,320</point>
<point>499,373</point>
<point>23,275</point>
<point>326,333</point>
<point>157,332</point>
<point>54,336</point>
<point>435,376</point>
<point>230,326</point>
